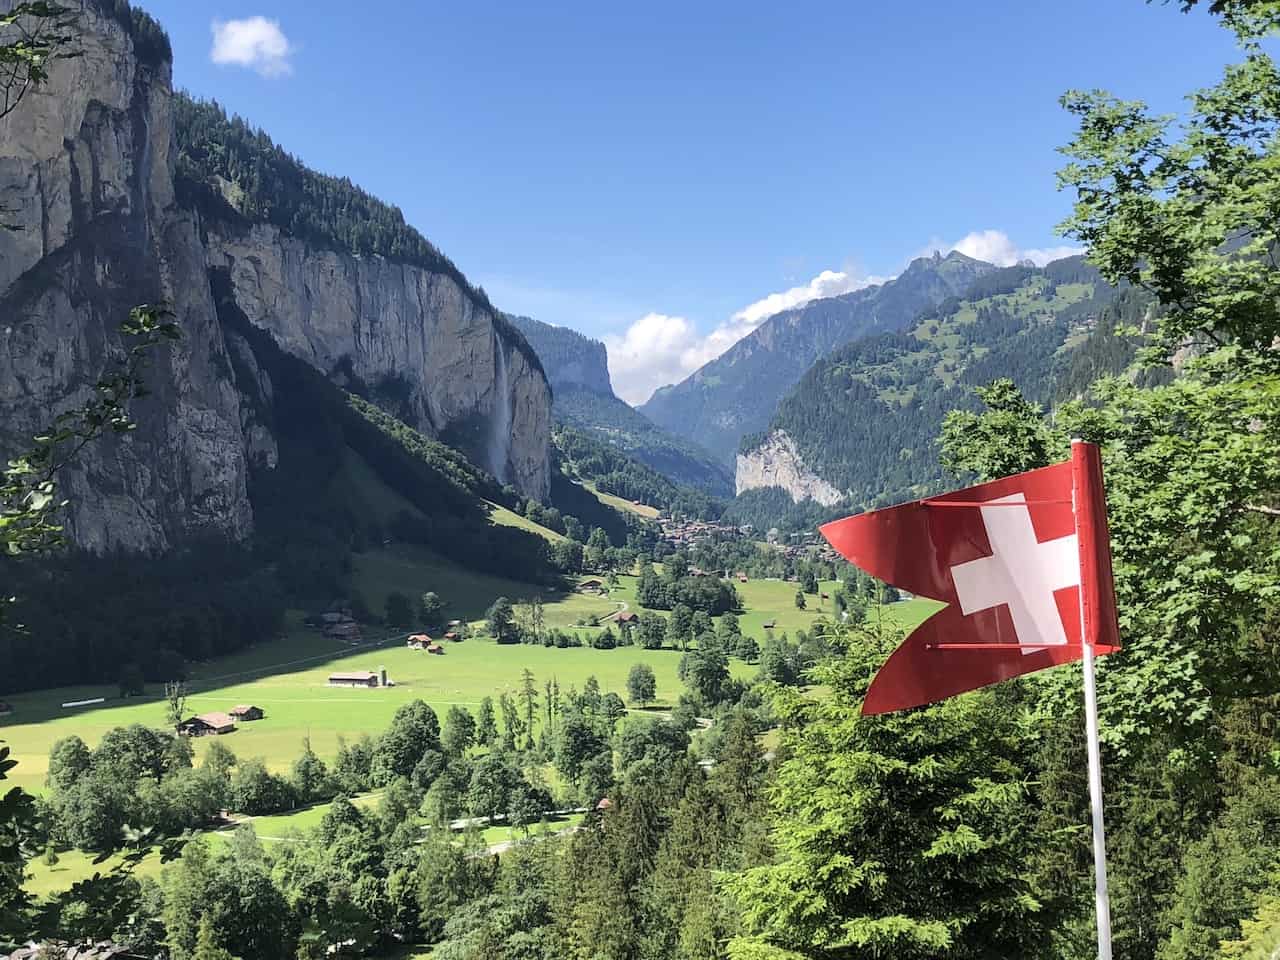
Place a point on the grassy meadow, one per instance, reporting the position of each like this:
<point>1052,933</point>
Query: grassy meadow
<point>286,676</point>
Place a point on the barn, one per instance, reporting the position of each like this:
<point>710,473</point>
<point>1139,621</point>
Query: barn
<point>207,724</point>
<point>355,678</point>
<point>245,711</point>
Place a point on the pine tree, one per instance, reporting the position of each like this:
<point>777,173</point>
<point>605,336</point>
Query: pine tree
<point>207,946</point>
<point>922,814</point>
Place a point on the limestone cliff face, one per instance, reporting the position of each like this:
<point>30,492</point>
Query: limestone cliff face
<point>777,463</point>
<point>401,332</point>
<point>86,181</point>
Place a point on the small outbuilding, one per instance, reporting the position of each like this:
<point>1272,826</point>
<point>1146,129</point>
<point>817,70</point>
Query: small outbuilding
<point>418,641</point>
<point>627,616</point>
<point>434,648</point>
<point>245,711</point>
<point>604,804</point>
<point>354,678</point>
<point>207,724</point>
<point>451,635</point>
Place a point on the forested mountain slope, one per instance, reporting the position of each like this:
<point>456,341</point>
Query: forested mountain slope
<point>863,422</point>
<point>736,394</point>
<point>578,368</point>
<point>581,454</point>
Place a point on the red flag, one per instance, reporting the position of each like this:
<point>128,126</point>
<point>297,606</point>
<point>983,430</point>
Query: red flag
<point>1018,568</point>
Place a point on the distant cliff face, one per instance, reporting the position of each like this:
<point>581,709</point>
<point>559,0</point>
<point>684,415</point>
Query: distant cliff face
<point>572,361</point>
<point>578,368</point>
<point>777,463</point>
<point>86,181</point>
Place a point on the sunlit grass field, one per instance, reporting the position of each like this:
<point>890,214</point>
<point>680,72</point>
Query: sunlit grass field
<point>287,676</point>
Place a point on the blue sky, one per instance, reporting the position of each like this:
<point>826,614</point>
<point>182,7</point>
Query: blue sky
<point>650,173</point>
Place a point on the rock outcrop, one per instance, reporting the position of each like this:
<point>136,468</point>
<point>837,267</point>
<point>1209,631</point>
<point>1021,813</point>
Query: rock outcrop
<point>777,463</point>
<point>87,188</point>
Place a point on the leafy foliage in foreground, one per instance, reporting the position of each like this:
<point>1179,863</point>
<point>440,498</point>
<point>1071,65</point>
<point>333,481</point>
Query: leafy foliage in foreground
<point>897,836</point>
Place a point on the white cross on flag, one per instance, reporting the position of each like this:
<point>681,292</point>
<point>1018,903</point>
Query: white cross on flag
<point>1023,565</point>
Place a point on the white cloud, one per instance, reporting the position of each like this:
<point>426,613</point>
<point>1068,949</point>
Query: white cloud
<point>659,348</point>
<point>255,42</point>
<point>994,246</point>
<point>651,352</point>
<point>829,283</point>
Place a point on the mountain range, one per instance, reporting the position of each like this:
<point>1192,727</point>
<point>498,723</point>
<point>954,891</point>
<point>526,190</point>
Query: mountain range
<point>736,393</point>
<point>137,193</point>
<point>860,429</point>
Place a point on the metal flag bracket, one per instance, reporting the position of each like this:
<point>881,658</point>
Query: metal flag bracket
<point>1002,646</point>
<point>991,503</point>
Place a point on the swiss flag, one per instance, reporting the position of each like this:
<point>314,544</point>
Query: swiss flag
<point>1024,574</point>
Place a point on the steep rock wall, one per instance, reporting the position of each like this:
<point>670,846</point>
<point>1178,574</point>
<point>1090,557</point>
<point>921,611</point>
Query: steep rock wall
<point>86,183</point>
<point>87,186</point>
<point>412,338</point>
<point>777,463</point>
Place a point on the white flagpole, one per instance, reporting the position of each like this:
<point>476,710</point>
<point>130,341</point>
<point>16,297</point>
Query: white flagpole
<point>1102,900</point>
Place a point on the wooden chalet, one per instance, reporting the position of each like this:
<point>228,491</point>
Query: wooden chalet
<point>451,635</point>
<point>418,641</point>
<point>354,678</point>
<point>207,724</point>
<point>627,616</point>
<point>245,711</point>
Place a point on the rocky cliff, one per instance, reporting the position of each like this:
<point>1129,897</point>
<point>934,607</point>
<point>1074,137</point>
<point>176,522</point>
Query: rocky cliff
<point>777,463</point>
<point>572,361</point>
<point>409,337</point>
<point>87,188</point>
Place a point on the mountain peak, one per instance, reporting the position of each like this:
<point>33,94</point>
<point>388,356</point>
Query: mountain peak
<point>736,393</point>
